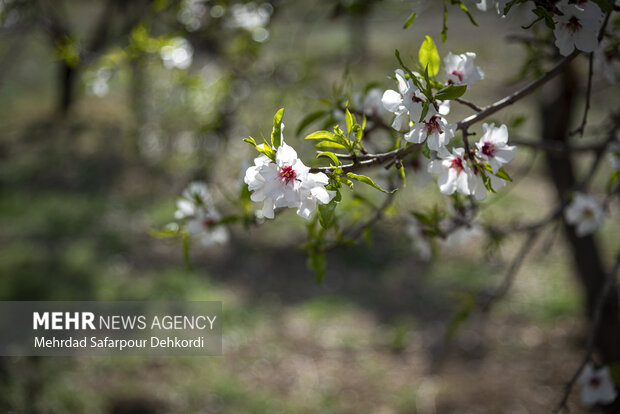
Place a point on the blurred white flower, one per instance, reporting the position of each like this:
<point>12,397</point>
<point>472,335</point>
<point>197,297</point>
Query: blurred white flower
<point>372,105</point>
<point>420,243</point>
<point>460,69</point>
<point>253,18</point>
<point>596,386</point>
<point>482,5</point>
<point>492,146</point>
<point>177,53</point>
<point>586,213</point>
<point>99,85</point>
<point>196,207</point>
<point>192,13</point>
<point>577,27</point>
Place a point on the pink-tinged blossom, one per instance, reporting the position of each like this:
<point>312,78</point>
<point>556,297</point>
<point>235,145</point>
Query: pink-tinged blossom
<point>287,182</point>
<point>597,386</point>
<point>493,147</point>
<point>406,102</point>
<point>585,213</point>
<point>460,69</point>
<point>433,129</point>
<point>454,172</point>
<point>577,27</point>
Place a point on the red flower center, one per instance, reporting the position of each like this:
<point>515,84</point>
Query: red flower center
<point>208,222</point>
<point>457,164</point>
<point>416,99</point>
<point>595,382</point>
<point>287,174</point>
<point>573,24</point>
<point>458,74</point>
<point>488,149</point>
<point>433,125</point>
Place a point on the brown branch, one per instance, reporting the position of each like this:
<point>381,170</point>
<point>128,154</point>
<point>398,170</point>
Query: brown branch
<point>468,103</point>
<point>371,159</point>
<point>598,314</point>
<point>584,120</point>
<point>521,93</point>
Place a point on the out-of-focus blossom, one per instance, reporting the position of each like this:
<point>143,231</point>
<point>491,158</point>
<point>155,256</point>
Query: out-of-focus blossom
<point>177,53</point>
<point>460,69</point>
<point>585,213</point>
<point>253,18</point>
<point>597,386</point>
<point>196,208</point>
<point>420,242</point>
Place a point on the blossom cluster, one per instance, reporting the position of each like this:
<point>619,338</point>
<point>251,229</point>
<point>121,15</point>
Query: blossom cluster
<point>457,171</point>
<point>286,182</point>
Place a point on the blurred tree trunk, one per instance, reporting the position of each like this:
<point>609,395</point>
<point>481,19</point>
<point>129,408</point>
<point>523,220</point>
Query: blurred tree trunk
<point>557,111</point>
<point>66,87</point>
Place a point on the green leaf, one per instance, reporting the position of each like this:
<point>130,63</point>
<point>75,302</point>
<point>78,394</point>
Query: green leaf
<point>331,156</point>
<point>501,173</point>
<point>321,135</point>
<point>331,144</point>
<point>429,57</point>
<point>410,20</point>
<point>613,179</point>
<point>350,121</point>
<point>451,92</point>
<point>425,105</point>
<point>403,176</point>
<point>466,10</point>
<point>276,133</point>
<point>308,119</point>
<point>317,263</point>
<point>426,151</point>
<point>262,148</point>
<point>327,214</point>
<point>367,180</point>
<point>186,250</point>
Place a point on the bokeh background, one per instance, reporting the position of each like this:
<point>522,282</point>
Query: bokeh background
<point>108,109</point>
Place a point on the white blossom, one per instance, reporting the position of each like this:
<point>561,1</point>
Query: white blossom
<point>406,102</point>
<point>287,182</point>
<point>177,53</point>
<point>373,105</point>
<point>433,129</point>
<point>493,147</point>
<point>597,386</point>
<point>196,207</point>
<point>454,172</point>
<point>253,18</point>
<point>586,213</point>
<point>577,27</point>
<point>460,69</point>
<point>482,5</point>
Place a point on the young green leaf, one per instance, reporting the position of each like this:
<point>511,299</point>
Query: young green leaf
<point>327,214</point>
<point>410,20</point>
<point>350,121</point>
<point>321,135</point>
<point>317,263</point>
<point>367,180</point>
<point>276,133</point>
<point>451,92</point>
<point>429,57</point>
<point>331,156</point>
<point>262,148</point>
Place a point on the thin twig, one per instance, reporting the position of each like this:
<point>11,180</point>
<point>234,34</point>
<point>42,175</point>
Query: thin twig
<point>596,324</point>
<point>584,120</point>
<point>468,103</point>
<point>521,93</point>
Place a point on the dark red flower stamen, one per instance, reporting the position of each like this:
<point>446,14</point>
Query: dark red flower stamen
<point>433,125</point>
<point>488,149</point>
<point>287,174</point>
<point>574,24</point>
<point>458,74</point>
<point>457,164</point>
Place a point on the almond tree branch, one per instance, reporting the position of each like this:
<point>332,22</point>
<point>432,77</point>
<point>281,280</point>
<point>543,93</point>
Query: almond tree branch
<point>596,324</point>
